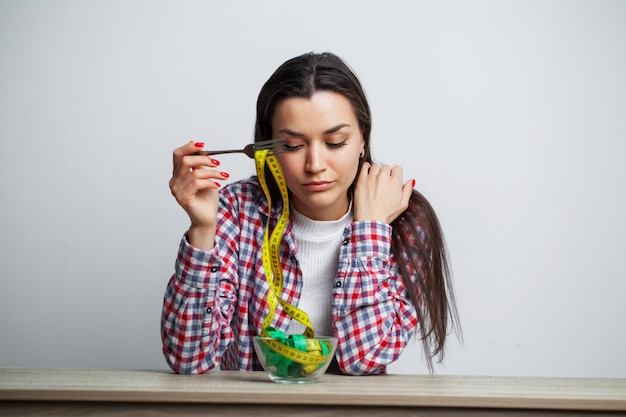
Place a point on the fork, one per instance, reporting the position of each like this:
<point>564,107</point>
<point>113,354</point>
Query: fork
<point>274,145</point>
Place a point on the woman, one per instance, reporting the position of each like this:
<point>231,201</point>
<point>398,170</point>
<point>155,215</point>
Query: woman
<point>362,253</point>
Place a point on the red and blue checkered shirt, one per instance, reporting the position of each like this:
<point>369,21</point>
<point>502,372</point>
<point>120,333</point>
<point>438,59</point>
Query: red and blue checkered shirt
<point>216,300</point>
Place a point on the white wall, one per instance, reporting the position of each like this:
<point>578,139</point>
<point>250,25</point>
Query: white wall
<point>510,115</point>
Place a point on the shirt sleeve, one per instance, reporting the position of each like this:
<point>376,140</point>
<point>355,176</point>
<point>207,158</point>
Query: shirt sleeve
<point>373,317</point>
<point>189,345</point>
<point>199,302</point>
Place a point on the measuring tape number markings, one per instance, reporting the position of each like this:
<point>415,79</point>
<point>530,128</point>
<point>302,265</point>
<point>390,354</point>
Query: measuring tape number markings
<point>292,355</point>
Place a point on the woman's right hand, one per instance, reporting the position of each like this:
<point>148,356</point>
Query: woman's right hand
<point>194,186</point>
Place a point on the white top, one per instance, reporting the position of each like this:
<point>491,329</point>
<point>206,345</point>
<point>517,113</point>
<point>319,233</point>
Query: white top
<point>318,244</point>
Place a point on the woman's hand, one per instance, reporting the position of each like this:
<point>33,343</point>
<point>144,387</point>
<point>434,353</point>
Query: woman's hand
<point>380,194</point>
<point>194,186</point>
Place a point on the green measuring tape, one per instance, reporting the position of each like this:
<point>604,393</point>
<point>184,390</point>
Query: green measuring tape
<point>292,355</point>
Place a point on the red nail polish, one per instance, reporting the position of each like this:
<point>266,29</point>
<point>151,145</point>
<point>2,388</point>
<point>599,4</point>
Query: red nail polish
<point>217,184</point>
<point>215,161</point>
<point>224,174</point>
<point>413,184</point>
<point>199,144</point>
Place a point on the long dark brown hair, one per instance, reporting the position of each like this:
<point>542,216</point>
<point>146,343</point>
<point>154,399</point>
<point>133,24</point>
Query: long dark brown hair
<point>417,239</point>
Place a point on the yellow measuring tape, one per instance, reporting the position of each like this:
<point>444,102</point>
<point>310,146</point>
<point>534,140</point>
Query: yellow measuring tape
<point>286,348</point>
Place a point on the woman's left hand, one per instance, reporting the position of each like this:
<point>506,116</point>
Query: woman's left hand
<point>380,194</point>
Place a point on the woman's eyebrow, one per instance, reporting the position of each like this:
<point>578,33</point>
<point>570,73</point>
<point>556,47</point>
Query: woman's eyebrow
<point>291,132</point>
<point>336,128</point>
<point>326,132</point>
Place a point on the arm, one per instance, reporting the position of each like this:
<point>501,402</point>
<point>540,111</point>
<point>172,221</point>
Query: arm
<point>199,300</point>
<point>372,314</point>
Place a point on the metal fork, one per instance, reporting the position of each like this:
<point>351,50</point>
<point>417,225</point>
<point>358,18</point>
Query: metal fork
<point>275,145</point>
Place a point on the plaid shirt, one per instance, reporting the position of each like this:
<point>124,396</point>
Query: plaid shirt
<point>216,300</point>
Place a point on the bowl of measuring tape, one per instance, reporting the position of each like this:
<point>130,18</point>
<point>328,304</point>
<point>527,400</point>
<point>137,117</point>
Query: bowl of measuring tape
<point>294,359</point>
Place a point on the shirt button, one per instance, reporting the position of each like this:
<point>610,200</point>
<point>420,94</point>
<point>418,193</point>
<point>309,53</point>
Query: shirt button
<point>345,241</point>
<point>338,284</point>
<point>214,269</point>
<point>209,310</point>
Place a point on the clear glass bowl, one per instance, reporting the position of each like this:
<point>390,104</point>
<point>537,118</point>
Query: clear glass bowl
<point>295,361</point>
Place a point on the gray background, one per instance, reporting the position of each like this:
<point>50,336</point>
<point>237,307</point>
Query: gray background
<point>509,114</point>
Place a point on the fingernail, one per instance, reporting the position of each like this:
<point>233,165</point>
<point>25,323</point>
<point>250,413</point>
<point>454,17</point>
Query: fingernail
<point>215,161</point>
<point>413,184</point>
<point>199,144</point>
<point>217,184</point>
<point>224,174</point>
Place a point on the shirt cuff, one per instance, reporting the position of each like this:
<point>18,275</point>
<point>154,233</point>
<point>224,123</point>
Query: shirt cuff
<point>197,267</point>
<point>368,239</point>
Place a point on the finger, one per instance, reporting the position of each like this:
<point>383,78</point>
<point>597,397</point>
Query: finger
<point>387,170</point>
<point>191,163</point>
<point>187,185</point>
<point>407,190</point>
<point>187,149</point>
<point>184,158</point>
<point>396,171</point>
<point>365,168</point>
<point>374,170</point>
<point>205,178</point>
<point>185,175</point>
<point>186,191</point>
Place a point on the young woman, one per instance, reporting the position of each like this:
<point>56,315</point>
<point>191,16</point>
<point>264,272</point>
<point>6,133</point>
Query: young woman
<point>363,253</point>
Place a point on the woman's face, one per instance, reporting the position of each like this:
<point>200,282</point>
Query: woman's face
<point>324,143</point>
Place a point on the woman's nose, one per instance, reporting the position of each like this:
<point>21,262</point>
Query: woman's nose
<point>315,161</point>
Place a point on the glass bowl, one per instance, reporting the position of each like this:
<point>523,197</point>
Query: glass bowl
<point>295,359</point>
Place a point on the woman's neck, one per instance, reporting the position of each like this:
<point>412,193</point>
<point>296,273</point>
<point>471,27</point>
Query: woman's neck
<point>330,213</point>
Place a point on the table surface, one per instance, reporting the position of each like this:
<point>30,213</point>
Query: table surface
<point>221,387</point>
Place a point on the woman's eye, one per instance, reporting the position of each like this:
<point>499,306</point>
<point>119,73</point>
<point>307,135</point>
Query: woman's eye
<point>331,145</point>
<point>292,148</point>
<point>336,145</point>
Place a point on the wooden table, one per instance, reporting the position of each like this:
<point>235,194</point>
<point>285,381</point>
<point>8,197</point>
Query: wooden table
<point>96,392</point>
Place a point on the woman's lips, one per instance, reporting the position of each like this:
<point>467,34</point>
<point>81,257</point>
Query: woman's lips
<point>318,185</point>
